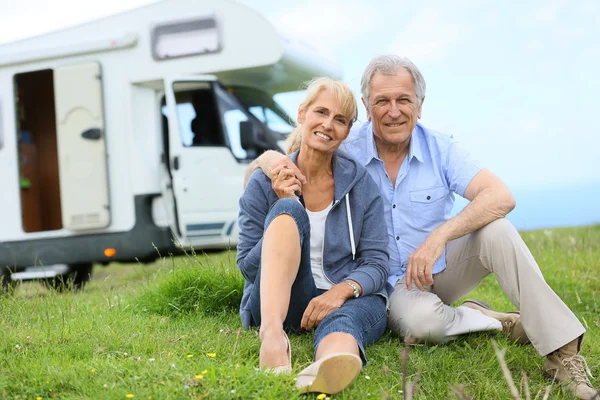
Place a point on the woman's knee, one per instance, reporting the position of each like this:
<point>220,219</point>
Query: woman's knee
<point>292,208</point>
<point>362,317</point>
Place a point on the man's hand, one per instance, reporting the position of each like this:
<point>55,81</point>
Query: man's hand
<point>321,306</point>
<point>420,263</point>
<point>271,162</point>
<point>285,183</point>
<point>268,161</point>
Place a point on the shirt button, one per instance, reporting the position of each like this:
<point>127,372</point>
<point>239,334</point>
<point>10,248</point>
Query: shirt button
<point>397,237</point>
<point>428,197</point>
<point>393,206</point>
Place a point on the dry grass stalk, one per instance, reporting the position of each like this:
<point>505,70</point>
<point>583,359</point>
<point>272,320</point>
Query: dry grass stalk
<point>507,375</point>
<point>547,393</point>
<point>237,339</point>
<point>408,389</point>
<point>458,391</point>
<point>526,387</point>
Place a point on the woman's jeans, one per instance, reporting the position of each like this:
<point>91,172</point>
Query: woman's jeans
<point>363,317</point>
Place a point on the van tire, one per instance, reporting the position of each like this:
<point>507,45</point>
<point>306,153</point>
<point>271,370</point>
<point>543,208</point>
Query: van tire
<point>74,279</point>
<point>7,285</point>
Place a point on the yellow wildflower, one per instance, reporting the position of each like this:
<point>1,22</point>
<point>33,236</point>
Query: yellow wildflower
<point>204,372</point>
<point>199,376</point>
<point>129,396</point>
<point>190,356</point>
<point>211,355</point>
<point>93,371</point>
<point>39,398</point>
<point>321,396</point>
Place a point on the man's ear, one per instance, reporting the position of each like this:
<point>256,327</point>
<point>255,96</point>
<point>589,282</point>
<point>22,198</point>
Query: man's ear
<point>420,108</point>
<point>301,115</point>
<point>366,108</point>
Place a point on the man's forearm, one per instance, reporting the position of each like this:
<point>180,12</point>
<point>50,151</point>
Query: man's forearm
<point>489,205</point>
<point>255,164</point>
<point>260,163</point>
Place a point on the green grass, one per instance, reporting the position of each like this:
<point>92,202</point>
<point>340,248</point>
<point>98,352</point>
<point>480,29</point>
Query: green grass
<point>151,330</point>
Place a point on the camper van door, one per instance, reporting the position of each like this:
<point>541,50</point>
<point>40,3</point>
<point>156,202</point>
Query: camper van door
<point>207,176</point>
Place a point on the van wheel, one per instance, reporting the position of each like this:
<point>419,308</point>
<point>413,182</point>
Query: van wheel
<point>7,285</point>
<point>74,279</point>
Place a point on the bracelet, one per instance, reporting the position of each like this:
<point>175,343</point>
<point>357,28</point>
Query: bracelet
<point>354,287</point>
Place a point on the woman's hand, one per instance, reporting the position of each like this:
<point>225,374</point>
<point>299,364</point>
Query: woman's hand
<point>284,182</point>
<point>321,306</point>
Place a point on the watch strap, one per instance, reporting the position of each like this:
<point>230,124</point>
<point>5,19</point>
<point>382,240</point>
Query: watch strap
<point>354,288</point>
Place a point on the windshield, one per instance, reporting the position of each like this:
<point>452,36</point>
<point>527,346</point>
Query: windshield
<point>264,108</point>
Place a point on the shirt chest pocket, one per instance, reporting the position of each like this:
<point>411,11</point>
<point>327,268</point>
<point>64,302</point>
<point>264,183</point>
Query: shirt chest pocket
<point>428,206</point>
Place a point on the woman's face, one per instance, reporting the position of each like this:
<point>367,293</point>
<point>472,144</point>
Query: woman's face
<point>323,126</point>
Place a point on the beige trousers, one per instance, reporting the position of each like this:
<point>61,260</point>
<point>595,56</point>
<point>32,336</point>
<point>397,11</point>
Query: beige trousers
<point>496,248</point>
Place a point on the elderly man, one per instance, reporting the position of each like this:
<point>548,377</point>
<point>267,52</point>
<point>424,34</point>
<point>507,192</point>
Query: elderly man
<point>436,260</point>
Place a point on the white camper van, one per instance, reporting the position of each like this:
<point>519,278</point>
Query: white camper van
<point>124,137</point>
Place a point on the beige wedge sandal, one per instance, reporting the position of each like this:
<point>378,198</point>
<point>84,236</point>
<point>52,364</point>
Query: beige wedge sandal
<point>330,374</point>
<point>283,369</point>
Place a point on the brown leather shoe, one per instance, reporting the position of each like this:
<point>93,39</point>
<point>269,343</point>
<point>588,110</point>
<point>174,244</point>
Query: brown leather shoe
<point>511,321</point>
<point>566,366</point>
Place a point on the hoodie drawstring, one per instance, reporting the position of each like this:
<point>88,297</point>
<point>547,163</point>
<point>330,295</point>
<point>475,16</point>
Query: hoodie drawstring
<point>350,227</point>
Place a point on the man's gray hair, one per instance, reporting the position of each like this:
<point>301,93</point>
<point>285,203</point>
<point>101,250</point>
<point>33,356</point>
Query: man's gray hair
<point>389,65</point>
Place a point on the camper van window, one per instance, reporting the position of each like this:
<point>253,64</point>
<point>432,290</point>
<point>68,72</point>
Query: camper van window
<point>265,108</point>
<point>198,118</point>
<point>233,113</point>
<point>213,116</point>
<point>186,38</point>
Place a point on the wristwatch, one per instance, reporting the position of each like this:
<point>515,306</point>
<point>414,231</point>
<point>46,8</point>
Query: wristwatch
<point>354,287</point>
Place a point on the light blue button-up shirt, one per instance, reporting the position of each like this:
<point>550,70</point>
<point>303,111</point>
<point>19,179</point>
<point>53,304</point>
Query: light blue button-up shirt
<point>435,168</point>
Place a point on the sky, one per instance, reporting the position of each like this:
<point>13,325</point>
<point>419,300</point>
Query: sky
<point>516,82</point>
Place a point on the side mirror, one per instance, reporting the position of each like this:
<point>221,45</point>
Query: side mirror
<point>247,139</point>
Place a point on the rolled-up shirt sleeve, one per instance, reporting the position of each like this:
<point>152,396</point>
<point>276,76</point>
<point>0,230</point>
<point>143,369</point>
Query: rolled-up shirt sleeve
<point>460,168</point>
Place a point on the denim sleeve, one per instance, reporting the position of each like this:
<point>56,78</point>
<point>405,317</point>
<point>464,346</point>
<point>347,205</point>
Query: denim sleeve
<point>372,259</point>
<point>253,212</point>
<point>460,168</point>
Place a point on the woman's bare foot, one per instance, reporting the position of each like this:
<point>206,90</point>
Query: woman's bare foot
<point>274,350</point>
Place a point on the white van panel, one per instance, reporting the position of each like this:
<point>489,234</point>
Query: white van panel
<point>82,160</point>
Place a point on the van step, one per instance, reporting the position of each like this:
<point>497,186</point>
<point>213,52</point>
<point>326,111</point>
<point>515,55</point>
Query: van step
<point>45,272</point>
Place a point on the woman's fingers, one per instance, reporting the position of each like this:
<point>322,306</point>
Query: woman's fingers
<point>318,308</point>
<point>286,184</point>
<point>306,317</point>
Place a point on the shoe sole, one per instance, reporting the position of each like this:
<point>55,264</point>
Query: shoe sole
<point>523,339</point>
<point>333,375</point>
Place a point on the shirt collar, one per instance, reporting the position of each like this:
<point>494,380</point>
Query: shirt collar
<point>413,151</point>
<point>371,147</point>
<point>415,144</point>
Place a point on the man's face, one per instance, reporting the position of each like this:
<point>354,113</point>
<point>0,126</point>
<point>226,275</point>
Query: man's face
<point>393,107</point>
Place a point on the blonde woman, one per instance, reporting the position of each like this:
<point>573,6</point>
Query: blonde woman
<point>319,261</point>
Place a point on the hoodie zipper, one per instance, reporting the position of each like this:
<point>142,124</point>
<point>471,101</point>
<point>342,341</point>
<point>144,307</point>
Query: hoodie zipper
<point>335,203</point>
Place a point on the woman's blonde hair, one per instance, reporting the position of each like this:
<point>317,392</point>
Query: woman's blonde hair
<point>314,87</point>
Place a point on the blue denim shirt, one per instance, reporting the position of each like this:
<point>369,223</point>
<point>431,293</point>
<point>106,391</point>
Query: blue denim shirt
<point>435,169</point>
